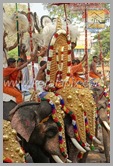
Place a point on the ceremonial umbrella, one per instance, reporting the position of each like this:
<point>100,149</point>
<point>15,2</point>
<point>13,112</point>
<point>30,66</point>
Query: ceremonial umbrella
<point>83,8</point>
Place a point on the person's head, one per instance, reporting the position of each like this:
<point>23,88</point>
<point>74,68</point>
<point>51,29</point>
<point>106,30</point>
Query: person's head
<point>11,62</point>
<point>20,62</point>
<point>75,62</point>
<point>73,45</point>
<point>42,63</point>
<point>95,59</point>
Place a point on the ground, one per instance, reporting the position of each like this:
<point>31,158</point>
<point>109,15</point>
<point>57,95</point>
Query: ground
<point>96,157</point>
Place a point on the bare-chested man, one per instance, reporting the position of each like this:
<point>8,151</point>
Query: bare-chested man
<point>93,72</point>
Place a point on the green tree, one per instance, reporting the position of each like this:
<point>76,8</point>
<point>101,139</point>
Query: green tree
<point>13,53</point>
<point>104,42</point>
<point>10,8</point>
<point>55,10</point>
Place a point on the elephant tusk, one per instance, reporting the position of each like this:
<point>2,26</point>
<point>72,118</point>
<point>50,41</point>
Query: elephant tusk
<point>69,161</point>
<point>78,146</point>
<point>96,140</point>
<point>87,146</point>
<point>57,159</point>
<point>106,125</point>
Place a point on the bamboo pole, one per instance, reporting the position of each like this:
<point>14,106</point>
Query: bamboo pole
<point>86,52</point>
<point>101,58</point>
<point>31,45</point>
<point>17,26</point>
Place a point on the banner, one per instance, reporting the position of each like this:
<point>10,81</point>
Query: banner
<point>96,19</point>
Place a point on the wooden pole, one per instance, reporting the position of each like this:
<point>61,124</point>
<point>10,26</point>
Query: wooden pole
<point>86,52</point>
<point>31,45</point>
<point>67,30</point>
<point>17,26</point>
<point>101,58</point>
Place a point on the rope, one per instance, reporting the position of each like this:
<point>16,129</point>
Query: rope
<point>31,45</point>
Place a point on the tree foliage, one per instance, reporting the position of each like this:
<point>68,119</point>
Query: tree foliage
<point>10,8</point>
<point>13,53</point>
<point>104,42</point>
<point>55,11</point>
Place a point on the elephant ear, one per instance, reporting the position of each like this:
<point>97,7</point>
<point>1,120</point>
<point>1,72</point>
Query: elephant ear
<point>24,121</point>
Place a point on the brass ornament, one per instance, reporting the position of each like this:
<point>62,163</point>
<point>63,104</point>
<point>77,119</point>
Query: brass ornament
<point>69,98</point>
<point>5,137</point>
<point>57,102</point>
<point>76,107</point>
<point>59,24</point>
<point>89,106</point>
<point>11,146</point>
<point>14,132</point>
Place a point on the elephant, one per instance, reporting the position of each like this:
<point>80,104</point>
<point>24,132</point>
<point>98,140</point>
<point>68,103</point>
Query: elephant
<point>7,107</point>
<point>40,135</point>
<point>43,140</point>
<point>102,105</point>
<point>40,138</point>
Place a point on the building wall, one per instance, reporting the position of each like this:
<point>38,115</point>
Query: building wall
<point>80,48</point>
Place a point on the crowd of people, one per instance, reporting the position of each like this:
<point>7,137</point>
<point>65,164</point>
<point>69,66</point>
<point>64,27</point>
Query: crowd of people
<point>17,77</point>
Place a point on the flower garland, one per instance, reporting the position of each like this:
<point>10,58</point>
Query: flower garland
<point>56,120</point>
<point>50,55</point>
<point>74,123</point>
<point>60,67</point>
<point>108,106</point>
<point>7,160</point>
<point>80,155</point>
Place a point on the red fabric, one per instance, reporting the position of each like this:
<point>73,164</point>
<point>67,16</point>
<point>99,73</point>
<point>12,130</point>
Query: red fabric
<point>13,92</point>
<point>9,85</point>
<point>74,74</point>
<point>93,75</point>
<point>77,68</point>
<point>11,72</point>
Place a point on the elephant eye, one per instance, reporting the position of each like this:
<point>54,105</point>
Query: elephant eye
<point>51,132</point>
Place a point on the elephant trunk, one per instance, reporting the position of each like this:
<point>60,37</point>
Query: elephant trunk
<point>106,125</point>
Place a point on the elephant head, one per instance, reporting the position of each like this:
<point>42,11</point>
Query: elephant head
<point>33,122</point>
<point>102,101</point>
